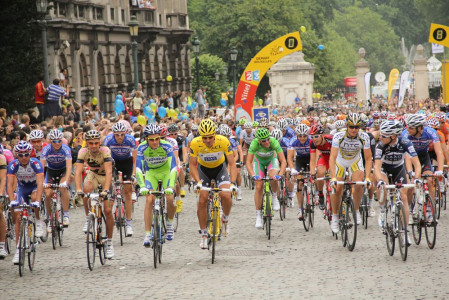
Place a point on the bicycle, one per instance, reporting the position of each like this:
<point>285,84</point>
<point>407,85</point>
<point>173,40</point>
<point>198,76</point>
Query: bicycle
<point>43,216</point>
<point>96,231</point>
<point>56,217</point>
<point>120,209</point>
<point>214,224</point>
<point>308,205</point>
<point>347,215</point>
<point>10,235</point>
<point>283,202</point>
<point>364,208</point>
<point>395,220</point>
<point>422,206</point>
<point>27,238</point>
<point>327,190</point>
<point>267,205</point>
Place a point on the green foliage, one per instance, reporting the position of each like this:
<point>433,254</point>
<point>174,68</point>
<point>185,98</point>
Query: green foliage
<point>21,54</point>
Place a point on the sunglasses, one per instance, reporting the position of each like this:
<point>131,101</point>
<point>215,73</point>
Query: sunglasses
<point>316,136</point>
<point>119,134</point>
<point>354,127</point>
<point>153,139</point>
<point>265,140</point>
<point>302,136</point>
<point>93,143</point>
<point>206,138</point>
<point>36,141</point>
<point>23,155</point>
<point>57,141</point>
<point>384,136</point>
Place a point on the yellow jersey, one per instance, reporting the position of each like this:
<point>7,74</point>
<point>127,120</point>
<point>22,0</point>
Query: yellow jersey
<point>210,157</point>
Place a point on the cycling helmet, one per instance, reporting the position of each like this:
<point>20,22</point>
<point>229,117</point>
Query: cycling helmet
<point>207,127</point>
<point>401,120</point>
<point>164,131</point>
<point>255,124</point>
<point>151,129</point>
<point>316,119</point>
<point>272,124</point>
<point>376,114</point>
<point>248,125</point>
<point>302,129</point>
<point>391,127</point>
<point>263,122</point>
<point>92,135</point>
<point>119,127</point>
<point>415,120</point>
<point>226,131</point>
<point>316,129</point>
<point>440,116</point>
<point>340,124</point>
<point>277,134</point>
<point>194,127</point>
<point>282,124</point>
<point>23,147</point>
<point>290,122</point>
<point>306,122</point>
<point>173,128</point>
<point>55,135</point>
<point>433,123</point>
<point>262,133</point>
<point>383,114</point>
<point>36,134</point>
<point>353,119</point>
<point>242,121</point>
<point>391,117</point>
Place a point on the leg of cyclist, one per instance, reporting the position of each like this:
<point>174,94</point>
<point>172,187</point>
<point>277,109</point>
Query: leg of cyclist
<point>336,197</point>
<point>90,184</point>
<point>3,252</point>
<point>239,181</point>
<point>372,212</point>
<point>128,190</point>
<point>148,217</point>
<point>48,195</point>
<point>169,180</point>
<point>273,169</point>
<point>320,173</point>
<point>357,193</point>
<point>298,195</point>
<point>258,192</point>
<point>381,219</point>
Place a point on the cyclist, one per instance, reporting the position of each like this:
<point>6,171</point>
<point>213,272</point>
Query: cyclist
<point>99,160</point>
<point>421,137</point>
<point>444,127</point>
<point>287,134</point>
<point>207,162</point>
<point>156,161</point>
<point>246,137</point>
<point>124,152</point>
<point>36,139</point>
<point>320,149</point>
<point>239,129</point>
<point>372,188</point>
<point>346,155</point>
<point>301,147</point>
<point>3,171</point>
<point>435,124</point>
<point>264,156</point>
<point>389,160</point>
<point>30,179</point>
<point>173,132</point>
<point>57,157</point>
<point>237,150</point>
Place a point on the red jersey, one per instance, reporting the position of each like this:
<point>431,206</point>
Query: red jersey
<point>37,154</point>
<point>325,148</point>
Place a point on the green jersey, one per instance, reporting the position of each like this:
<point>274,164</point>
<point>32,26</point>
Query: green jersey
<point>262,153</point>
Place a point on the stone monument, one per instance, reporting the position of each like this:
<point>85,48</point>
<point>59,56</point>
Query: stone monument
<point>421,77</point>
<point>361,68</point>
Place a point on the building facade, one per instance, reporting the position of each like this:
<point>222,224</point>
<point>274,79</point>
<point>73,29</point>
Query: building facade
<point>91,39</point>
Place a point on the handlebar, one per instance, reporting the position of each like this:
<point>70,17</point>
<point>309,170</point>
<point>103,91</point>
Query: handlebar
<point>54,186</point>
<point>351,182</point>
<point>322,178</point>
<point>215,189</point>
<point>399,185</point>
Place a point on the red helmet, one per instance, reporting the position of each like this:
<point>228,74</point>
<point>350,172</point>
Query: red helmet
<point>164,130</point>
<point>316,129</point>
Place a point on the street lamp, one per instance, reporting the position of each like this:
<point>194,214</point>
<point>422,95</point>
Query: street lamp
<point>196,50</point>
<point>41,6</point>
<point>234,53</point>
<point>217,75</point>
<point>133,31</point>
<point>225,73</point>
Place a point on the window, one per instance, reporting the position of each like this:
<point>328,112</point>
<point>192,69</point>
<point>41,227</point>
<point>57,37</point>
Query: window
<point>98,13</point>
<point>112,14</point>
<point>160,20</point>
<point>182,21</point>
<point>61,9</point>
<point>123,16</point>
<point>149,17</point>
<point>168,21</point>
<point>80,11</point>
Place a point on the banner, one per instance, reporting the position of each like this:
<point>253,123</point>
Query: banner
<point>261,112</point>
<point>402,87</point>
<point>256,69</point>
<point>439,34</point>
<point>437,48</point>
<point>445,81</point>
<point>394,74</point>
<point>367,86</point>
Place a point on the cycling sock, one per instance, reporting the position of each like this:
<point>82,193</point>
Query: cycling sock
<point>225,218</point>
<point>2,245</point>
<point>109,242</point>
<point>66,214</point>
<point>382,208</point>
<point>320,193</point>
<point>203,231</point>
<point>148,232</point>
<point>334,217</point>
<point>128,222</point>
<point>169,221</point>
<point>371,202</point>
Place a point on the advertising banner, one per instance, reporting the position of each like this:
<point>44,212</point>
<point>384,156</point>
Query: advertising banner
<point>394,75</point>
<point>261,112</point>
<point>367,86</point>
<point>402,87</point>
<point>257,68</point>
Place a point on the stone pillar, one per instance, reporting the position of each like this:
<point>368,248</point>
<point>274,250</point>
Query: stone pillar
<point>361,68</point>
<point>421,77</point>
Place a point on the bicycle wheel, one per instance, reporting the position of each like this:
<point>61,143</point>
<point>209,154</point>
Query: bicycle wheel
<point>91,243</point>
<point>102,239</point>
<point>311,207</point>
<point>342,223</point>
<point>437,199</point>
<point>364,210</point>
<point>430,222</point>
<point>213,235</point>
<point>60,227</point>
<point>389,230</point>
<point>9,231</point>
<point>417,221</point>
<point>351,225</point>
<point>119,218</point>
<point>282,201</point>
<point>268,209</point>
<point>43,216</point>
<point>305,209</point>
<point>401,223</point>
<point>156,232</point>
<point>22,247</point>
<point>54,224</point>
<point>32,241</point>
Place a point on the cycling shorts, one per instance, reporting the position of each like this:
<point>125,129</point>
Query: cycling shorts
<point>302,163</point>
<point>398,174</point>
<point>219,174</point>
<point>24,193</point>
<point>95,179</point>
<point>323,161</point>
<point>54,176</point>
<point>352,165</point>
<point>261,167</point>
<point>126,167</point>
<point>163,173</point>
<point>424,160</point>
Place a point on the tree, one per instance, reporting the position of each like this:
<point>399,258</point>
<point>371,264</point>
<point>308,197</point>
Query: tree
<point>21,54</point>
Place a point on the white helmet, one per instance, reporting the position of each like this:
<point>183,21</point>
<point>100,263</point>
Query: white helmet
<point>302,129</point>
<point>416,120</point>
<point>277,134</point>
<point>340,124</point>
<point>119,127</point>
<point>36,134</point>
<point>226,131</point>
<point>282,124</point>
<point>248,125</point>
<point>55,135</point>
<point>390,128</point>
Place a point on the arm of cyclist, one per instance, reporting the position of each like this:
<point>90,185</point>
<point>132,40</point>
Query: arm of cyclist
<point>333,161</point>
<point>40,186</point>
<point>233,167</point>
<point>2,181</point>
<point>283,163</point>
<point>313,163</point>
<point>440,156</point>
<point>134,154</point>
<point>249,164</point>
<point>108,175</point>
<point>240,152</point>
<point>445,152</point>
<point>68,172</point>
<point>290,158</point>
<point>368,162</point>
<point>377,169</point>
<point>12,184</point>
<point>193,168</point>
<point>417,166</point>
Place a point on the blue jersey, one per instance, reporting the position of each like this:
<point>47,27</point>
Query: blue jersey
<point>234,144</point>
<point>120,151</point>
<point>302,150</point>
<point>26,175</point>
<point>290,133</point>
<point>237,132</point>
<point>421,144</point>
<point>393,155</point>
<point>148,158</point>
<point>285,142</point>
<point>56,159</point>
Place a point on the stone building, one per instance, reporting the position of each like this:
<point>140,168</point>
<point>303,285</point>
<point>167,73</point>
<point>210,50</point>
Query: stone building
<point>91,39</point>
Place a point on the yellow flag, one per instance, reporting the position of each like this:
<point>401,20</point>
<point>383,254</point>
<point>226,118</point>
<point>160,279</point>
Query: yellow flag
<point>394,75</point>
<point>439,34</point>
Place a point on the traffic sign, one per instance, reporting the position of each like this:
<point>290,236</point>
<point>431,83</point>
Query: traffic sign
<point>439,34</point>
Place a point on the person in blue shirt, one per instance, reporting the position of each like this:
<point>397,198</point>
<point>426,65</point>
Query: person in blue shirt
<point>30,179</point>
<point>124,152</point>
<point>58,160</point>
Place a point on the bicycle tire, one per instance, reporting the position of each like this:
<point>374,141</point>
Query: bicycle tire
<point>402,231</point>
<point>22,247</point>
<point>311,207</point>
<point>342,218</point>
<point>304,207</point>
<point>9,232</point>
<point>156,230</point>
<point>91,243</point>
<point>351,225</point>
<point>437,199</point>
<point>102,237</point>
<point>54,223</point>
<point>282,201</point>
<point>214,232</point>
<point>445,199</point>
<point>388,230</point>
<point>119,219</point>
<point>431,235</point>
<point>61,227</point>
<point>364,211</point>
<point>268,208</point>
<point>43,216</point>
<point>417,224</point>
<point>32,247</point>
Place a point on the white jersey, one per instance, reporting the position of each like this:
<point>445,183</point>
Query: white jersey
<point>350,148</point>
<point>247,139</point>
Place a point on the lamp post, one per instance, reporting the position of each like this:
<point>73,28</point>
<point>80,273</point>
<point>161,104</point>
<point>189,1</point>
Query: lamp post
<point>234,53</point>
<point>133,31</point>
<point>41,6</point>
<point>196,50</point>
<point>217,75</point>
<point>225,73</point>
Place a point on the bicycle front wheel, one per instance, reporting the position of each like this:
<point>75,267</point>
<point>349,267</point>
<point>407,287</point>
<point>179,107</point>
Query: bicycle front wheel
<point>91,243</point>
<point>268,214</point>
<point>32,241</point>
<point>102,239</point>
<point>417,221</point>
<point>22,247</point>
<point>54,224</point>
<point>305,208</point>
<point>401,223</point>
<point>213,234</point>
<point>156,232</point>
<point>430,222</point>
<point>437,199</point>
<point>351,225</point>
<point>60,227</point>
<point>389,230</point>
<point>364,210</point>
<point>9,232</point>
<point>119,219</point>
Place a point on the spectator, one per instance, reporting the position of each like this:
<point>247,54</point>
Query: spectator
<point>199,97</point>
<point>33,119</point>
<point>15,118</point>
<point>55,92</point>
<point>39,98</point>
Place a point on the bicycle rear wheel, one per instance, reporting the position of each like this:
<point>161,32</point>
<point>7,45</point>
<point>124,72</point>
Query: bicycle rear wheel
<point>102,239</point>
<point>60,227</point>
<point>119,219</point>
<point>305,208</point>
<point>156,232</point>
<point>91,243</point>
<point>351,225</point>
<point>430,223</point>
<point>389,230</point>
<point>417,221</point>
<point>213,234</point>
<point>402,231</point>
<point>437,199</point>
<point>22,247</point>
<point>32,241</point>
